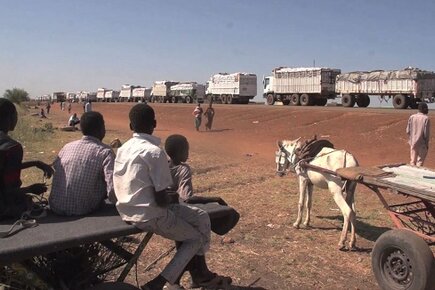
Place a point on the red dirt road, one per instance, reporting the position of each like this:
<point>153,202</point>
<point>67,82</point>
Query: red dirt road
<point>236,161</point>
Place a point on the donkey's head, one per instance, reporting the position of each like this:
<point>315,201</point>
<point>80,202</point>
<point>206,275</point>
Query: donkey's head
<point>285,157</point>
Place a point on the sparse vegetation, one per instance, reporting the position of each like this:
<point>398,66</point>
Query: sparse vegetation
<point>16,95</point>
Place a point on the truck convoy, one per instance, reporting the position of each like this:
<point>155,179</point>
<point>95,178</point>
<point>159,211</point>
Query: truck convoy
<point>232,88</point>
<point>314,86</point>
<point>175,92</point>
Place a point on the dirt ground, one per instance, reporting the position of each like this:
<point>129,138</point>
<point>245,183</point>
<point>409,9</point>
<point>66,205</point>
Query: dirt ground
<point>236,161</point>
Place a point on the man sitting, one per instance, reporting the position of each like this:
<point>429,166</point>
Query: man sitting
<point>13,199</point>
<point>73,120</point>
<point>83,175</point>
<point>141,177</point>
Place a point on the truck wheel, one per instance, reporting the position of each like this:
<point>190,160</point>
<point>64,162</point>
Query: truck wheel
<point>188,99</point>
<point>224,99</point>
<point>270,100</point>
<point>400,101</point>
<point>295,100</point>
<point>348,101</point>
<point>306,100</point>
<point>286,100</point>
<point>321,102</point>
<point>174,100</point>
<point>402,260</point>
<point>230,99</point>
<point>363,101</point>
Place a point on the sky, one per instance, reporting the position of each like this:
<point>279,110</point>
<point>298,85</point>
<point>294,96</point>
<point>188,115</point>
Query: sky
<point>66,45</point>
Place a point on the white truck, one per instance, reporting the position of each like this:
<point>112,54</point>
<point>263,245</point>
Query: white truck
<point>161,91</point>
<point>406,87</point>
<point>232,88</point>
<point>187,92</point>
<point>58,97</point>
<point>111,96</point>
<point>141,94</point>
<point>71,97</point>
<point>84,96</point>
<point>101,92</point>
<point>126,93</point>
<point>306,86</point>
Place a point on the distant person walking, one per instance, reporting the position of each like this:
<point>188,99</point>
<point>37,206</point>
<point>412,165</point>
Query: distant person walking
<point>88,107</point>
<point>418,130</point>
<point>69,107</point>
<point>209,115</point>
<point>197,113</point>
<point>47,107</point>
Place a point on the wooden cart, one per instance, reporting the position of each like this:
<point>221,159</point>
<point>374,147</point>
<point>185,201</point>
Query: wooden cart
<point>402,257</point>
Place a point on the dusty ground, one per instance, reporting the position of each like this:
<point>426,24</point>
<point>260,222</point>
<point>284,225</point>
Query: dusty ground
<point>236,161</point>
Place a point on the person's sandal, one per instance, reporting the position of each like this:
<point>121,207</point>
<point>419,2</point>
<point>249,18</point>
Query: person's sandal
<point>216,283</point>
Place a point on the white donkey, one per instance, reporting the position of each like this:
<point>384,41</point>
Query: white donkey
<point>329,159</point>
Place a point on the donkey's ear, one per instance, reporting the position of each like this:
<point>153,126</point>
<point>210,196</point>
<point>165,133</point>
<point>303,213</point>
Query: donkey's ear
<point>297,140</point>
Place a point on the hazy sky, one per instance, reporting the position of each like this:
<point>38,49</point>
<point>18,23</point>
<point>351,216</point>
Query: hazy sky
<point>74,45</point>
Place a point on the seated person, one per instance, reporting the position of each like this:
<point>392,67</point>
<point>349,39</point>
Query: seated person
<point>42,114</point>
<point>73,120</point>
<point>141,177</point>
<point>83,171</point>
<point>13,198</point>
<point>177,148</point>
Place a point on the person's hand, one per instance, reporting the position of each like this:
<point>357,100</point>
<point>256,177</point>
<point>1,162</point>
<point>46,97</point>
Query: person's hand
<point>220,201</point>
<point>48,170</point>
<point>37,188</point>
<point>116,143</point>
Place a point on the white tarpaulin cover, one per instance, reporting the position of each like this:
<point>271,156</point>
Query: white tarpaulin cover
<point>381,75</point>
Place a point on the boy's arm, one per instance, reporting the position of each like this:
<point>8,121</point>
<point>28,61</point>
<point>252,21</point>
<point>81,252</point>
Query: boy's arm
<point>48,170</point>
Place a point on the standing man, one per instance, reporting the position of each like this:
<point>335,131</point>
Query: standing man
<point>418,131</point>
<point>83,175</point>
<point>88,106</point>
<point>197,113</point>
<point>209,115</point>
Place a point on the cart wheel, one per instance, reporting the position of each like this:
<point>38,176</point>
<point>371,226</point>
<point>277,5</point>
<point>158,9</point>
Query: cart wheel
<point>402,260</point>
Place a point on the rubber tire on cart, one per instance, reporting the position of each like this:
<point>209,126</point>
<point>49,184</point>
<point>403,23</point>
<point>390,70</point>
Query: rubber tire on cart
<point>363,101</point>
<point>348,101</point>
<point>402,260</point>
<point>295,100</point>
<point>174,100</point>
<point>400,101</point>
<point>306,100</point>
<point>321,102</point>
<point>270,99</point>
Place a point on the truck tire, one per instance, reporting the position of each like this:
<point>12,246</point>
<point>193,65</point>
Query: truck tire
<point>402,260</point>
<point>224,99</point>
<point>270,100</point>
<point>321,102</point>
<point>295,100</point>
<point>348,101</point>
<point>363,101</point>
<point>306,100</point>
<point>189,99</point>
<point>174,100</point>
<point>230,99</point>
<point>400,101</point>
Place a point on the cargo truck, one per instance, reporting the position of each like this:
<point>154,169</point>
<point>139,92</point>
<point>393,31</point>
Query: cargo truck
<point>161,91</point>
<point>141,94</point>
<point>101,92</point>
<point>126,93</point>
<point>58,97</point>
<point>406,87</point>
<point>187,92</point>
<point>232,88</point>
<point>300,86</point>
<point>111,96</point>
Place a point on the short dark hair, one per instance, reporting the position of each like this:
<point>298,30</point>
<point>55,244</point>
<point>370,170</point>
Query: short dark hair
<point>423,108</point>
<point>91,123</point>
<point>174,145</point>
<point>7,112</point>
<point>142,118</point>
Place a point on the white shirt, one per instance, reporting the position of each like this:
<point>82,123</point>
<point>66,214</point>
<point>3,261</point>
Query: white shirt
<point>88,107</point>
<point>141,168</point>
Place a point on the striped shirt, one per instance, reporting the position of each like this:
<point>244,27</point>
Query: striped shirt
<point>83,177</point>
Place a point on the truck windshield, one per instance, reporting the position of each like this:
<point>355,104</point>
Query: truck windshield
<point>266,82</point>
